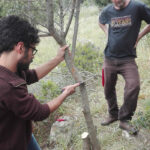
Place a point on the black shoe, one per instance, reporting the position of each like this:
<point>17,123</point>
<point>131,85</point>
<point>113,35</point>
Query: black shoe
<point>108,121</point>
<point>125,125</point>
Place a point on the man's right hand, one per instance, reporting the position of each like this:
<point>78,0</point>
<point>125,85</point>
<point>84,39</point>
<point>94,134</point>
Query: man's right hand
<point>70,89</point>
<point>56,102</point>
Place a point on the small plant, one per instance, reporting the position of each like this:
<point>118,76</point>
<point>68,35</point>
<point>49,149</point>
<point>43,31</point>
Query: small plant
<point>87,57</point>
<point>143,118</point>
<point>50,89</point>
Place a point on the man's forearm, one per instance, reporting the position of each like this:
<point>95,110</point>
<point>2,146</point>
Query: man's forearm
<point>68,90</point>
<point>44,69</point>
<point>55,103</point>
<point>144,32</point>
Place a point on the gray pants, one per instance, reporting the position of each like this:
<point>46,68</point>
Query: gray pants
<point>128,69</point>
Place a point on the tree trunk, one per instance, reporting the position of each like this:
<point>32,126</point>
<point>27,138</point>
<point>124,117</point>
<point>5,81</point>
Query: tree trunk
<point>86,141</point>
<point>75,29</point>
<point>85,102</point>
<point>77,77</point>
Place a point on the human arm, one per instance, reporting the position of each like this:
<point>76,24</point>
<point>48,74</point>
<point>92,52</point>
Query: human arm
<point>27,107</point>
<point>144,15</point>
<point>68,90</point>
<point>44,69</point>
<point>143,33</point>
<point>104,27</point>
<point>103,21</point>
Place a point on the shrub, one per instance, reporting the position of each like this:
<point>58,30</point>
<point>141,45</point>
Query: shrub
<point>87,57</point>
<point>50,89</point>
<point>143,118</point>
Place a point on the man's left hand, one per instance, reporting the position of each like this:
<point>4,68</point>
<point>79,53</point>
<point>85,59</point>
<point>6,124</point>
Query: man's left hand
<point>61,52</point>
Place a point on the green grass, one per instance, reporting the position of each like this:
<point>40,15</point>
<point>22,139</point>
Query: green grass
<point>110,137</point>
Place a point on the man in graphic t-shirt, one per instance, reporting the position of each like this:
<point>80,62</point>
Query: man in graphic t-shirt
<point>121,21</point>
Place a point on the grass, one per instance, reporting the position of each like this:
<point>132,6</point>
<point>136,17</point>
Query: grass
<point>110,137</point>
<point>47,49</point>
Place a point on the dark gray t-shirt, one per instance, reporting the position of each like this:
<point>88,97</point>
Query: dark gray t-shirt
<point>124,26</point>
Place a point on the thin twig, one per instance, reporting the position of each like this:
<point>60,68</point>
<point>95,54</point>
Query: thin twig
<point>70,18</point>
<point>75,29</point>
<point>36,22</point>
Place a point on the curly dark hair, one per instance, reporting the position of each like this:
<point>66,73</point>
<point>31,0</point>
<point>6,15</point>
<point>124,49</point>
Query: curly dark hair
<point>14,29</point>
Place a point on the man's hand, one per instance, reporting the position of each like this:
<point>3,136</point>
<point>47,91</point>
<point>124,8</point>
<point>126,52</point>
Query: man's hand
<point>61,52</point>
<point>70,89</point>
<point>142,33</point>
<point>56,102</point>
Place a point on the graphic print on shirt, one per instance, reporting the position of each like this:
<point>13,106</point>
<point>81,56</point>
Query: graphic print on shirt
<point>118,22</point>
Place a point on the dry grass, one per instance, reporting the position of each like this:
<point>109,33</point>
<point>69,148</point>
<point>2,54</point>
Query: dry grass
<point>110,137</point>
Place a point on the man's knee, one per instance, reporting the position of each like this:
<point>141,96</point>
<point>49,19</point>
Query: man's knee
<point>134,86</point>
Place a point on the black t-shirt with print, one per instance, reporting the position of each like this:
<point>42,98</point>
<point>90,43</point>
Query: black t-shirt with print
<point>124,26</point>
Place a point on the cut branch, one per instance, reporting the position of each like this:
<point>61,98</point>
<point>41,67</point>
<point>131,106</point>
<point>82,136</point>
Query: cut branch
<point>86,141</point>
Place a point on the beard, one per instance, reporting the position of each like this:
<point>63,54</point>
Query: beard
<point>121,4</point>
<point>22,67</point>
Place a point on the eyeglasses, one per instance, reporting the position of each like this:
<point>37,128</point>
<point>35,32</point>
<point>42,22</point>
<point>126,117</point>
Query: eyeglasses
<point>34,50</point>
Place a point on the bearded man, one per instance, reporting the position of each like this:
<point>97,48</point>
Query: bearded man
<point>121,21</point>
<point>18,108</point>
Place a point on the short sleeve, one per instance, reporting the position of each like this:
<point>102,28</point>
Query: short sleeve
<point>25,105</point>
<point>103,18</point>
<point>145,13</point>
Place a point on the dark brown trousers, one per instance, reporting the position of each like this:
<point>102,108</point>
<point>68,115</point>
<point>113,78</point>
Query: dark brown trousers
<point>128,69</point>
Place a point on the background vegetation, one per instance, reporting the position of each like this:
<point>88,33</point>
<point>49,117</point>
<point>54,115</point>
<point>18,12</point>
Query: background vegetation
<point>90,45</point>
<point>111,138</point>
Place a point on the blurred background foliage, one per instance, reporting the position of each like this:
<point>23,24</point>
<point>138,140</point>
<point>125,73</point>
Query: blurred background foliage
<point>36,8</point>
